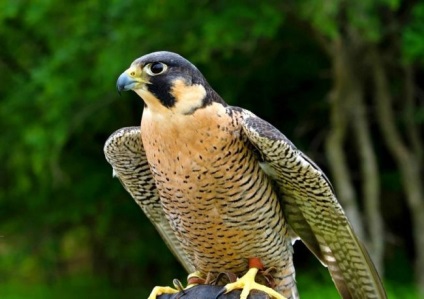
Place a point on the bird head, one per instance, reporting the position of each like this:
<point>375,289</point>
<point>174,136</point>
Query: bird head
<point>167,82</point>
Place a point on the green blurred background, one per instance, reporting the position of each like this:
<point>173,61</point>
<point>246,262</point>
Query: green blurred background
<point>341,79</point>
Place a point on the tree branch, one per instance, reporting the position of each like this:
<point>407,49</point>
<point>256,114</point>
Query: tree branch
<point>407,162</point>
<point>412,130</point>
<point>336,136</point>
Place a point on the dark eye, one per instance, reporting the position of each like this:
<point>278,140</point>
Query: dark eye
<point>156,68</point>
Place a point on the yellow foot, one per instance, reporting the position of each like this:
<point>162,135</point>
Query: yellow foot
<point>157,291</point>
<point>248,283</point>
<point>192,279</point>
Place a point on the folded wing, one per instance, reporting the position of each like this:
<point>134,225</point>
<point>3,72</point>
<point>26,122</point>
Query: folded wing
<point>313,212</point>
<point>124,151</point>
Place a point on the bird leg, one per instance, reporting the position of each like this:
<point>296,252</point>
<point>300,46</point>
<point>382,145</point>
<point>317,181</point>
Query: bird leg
<point>193,279</point>
<point>247,282</point>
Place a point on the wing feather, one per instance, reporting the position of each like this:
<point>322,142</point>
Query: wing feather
<point>125,152</point>
<point>313,212</point>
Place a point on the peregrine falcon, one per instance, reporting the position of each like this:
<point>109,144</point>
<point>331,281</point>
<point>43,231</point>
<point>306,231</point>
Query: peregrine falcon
<point>226,190</point>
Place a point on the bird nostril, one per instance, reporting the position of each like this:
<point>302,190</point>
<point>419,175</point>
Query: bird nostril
<point>132,73</point>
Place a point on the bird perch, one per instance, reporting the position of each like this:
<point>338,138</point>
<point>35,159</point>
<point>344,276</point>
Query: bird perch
<point>210,292</point>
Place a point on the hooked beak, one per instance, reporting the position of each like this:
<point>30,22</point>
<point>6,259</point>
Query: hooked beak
<point>129,80</point>
<point>125,82</point>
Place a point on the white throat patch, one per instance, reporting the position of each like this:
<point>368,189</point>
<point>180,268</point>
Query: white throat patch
<point>187,98</point>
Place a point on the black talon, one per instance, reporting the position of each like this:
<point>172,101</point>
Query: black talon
<point>178,285</point>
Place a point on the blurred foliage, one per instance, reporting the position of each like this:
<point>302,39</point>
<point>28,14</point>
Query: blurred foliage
<point>62,216</point>
<point>363,15</point>
<point>413,46</point>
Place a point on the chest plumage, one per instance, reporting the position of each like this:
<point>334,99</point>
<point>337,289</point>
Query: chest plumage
<point>215,195</point>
